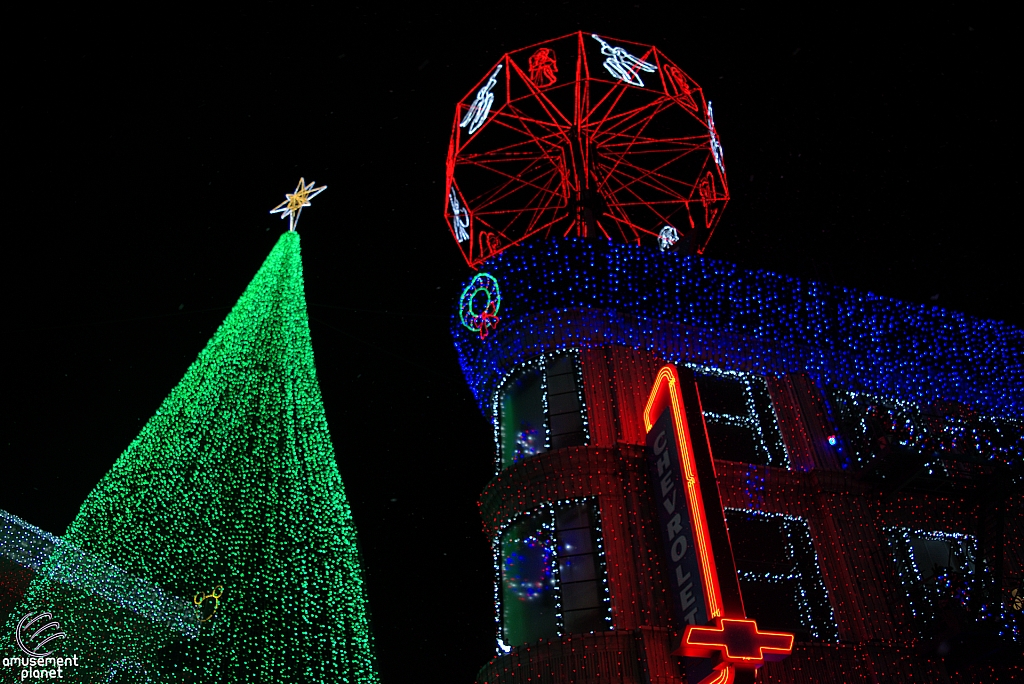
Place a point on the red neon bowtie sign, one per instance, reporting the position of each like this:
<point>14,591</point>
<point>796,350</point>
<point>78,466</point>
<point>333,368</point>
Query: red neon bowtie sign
<point>737,641</point>
<point>732,641</point>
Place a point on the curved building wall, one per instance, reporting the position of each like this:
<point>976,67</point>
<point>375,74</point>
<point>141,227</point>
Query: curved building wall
<point>853,435</point>
<point>574,293</point>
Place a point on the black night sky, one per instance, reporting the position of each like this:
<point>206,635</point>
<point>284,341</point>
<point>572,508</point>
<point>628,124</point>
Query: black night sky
<point>863,148</point>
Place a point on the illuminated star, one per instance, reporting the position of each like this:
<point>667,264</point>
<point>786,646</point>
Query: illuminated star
<point>295,201</point>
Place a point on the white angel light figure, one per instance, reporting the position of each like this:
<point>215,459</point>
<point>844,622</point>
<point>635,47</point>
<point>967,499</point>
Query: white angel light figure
<point>716,144</point>
<point>622,65</point>
<point>481,106</point>
<point>460,217</point>
<point>667,237</point>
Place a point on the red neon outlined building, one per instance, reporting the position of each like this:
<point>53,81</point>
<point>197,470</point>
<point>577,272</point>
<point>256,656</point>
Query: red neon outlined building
<point>732,640</point>
<point>666,393</point>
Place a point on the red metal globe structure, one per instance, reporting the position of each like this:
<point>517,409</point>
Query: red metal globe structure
<point>586,136</point>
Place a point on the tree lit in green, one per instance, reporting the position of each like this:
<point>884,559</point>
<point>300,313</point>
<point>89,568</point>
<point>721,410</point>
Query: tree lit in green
<point>233,483</point>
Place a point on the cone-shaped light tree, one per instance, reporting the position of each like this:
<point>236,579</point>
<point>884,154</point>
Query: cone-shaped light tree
<point>233,483</point>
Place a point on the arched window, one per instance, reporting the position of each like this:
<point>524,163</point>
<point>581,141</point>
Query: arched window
<point>552,575</point>
<point>739,417</point>
<point>540,407</point>
<point>779,574</point>
<point>937,571</point>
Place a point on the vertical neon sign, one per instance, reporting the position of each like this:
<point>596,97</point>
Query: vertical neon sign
<point>718,641</point>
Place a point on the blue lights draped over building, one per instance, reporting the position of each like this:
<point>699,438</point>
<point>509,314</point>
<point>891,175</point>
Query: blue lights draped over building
<point>575,293</point>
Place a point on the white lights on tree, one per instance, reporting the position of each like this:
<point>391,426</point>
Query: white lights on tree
<point>622,65</point>
<point>667,237</point>
<point>295,201</point>
<point>460,217</point>
<point>481,106</point>
<point>716,145</point>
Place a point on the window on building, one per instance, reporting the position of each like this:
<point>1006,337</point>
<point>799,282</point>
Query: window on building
<point>541,408</point>
<point>581,582</point>
<point>739,418</point>
<point>528,584</point>
<point>522,425</point>
<point>553,580</point>
<point>779,574</point>
<point>936,570</point>
<point>896,439</point>
<point>565,407</point>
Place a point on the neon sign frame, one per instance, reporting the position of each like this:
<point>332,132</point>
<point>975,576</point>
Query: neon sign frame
<point>666,393</point>
<point>731,640</point>
<point>722,639</point>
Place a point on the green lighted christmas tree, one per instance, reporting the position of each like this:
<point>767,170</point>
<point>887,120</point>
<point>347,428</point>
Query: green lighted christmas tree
<point>233,483</point>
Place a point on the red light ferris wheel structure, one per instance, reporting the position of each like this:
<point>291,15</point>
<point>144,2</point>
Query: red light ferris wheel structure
<point>584,135</point>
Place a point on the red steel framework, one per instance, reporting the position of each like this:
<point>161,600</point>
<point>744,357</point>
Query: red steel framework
<point>584,135</point>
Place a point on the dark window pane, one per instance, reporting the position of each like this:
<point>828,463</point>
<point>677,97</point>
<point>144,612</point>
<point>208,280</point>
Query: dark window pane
<point>932,556</point>
<point>577,568</point>
<point>522,417</point>
<point>565,413</point>
<point>571,517</point>
<point>583,621</point>
<point>580,571</point>
<point>528,582</point>
<point>562,384</point>
<point>759,543</point>
<point>563,403</point>
<point>562,375</point>
<point>774,606</point>
<point>566,423</point>
<point>567,440</point>
<point>561,365</point>
<point>723,395</point>
<point>580,595</point>
<point>939,572</point>
<point>734,443</point>
<point>779,574</point>
<point>573,542</point>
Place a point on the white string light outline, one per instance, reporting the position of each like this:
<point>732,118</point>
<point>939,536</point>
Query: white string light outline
<point>716,144</point>
<point>481,106</point>
<point>622,65</point>
<point>667,237</point>
<point>460,217</point>
<point>295,201</point>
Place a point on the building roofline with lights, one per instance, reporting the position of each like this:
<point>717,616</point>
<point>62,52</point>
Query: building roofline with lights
<point>695,309</point>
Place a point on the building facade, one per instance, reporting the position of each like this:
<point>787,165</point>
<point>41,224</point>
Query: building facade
<point>867,454</point>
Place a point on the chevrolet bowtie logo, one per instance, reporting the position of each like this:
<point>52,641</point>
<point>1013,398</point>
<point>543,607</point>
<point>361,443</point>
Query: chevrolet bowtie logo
<point>738,641</point>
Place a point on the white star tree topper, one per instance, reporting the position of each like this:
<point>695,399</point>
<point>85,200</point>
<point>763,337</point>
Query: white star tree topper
<point>295,201</point>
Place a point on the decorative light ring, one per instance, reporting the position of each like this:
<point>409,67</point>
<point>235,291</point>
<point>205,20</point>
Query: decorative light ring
<point>199,598</point>
<point>486,319</point>
<point>523,581</point>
